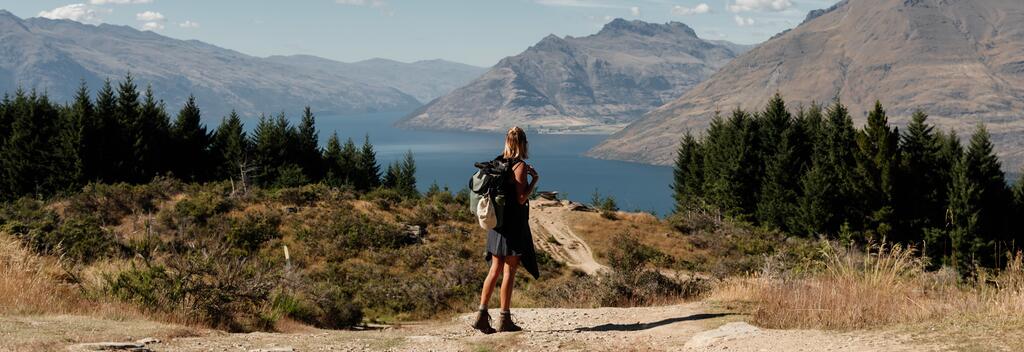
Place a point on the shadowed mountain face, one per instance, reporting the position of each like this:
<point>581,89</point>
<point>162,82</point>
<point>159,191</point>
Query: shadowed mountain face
<point>961,61</point>
<point>593,84</point>
<point>53,55</point>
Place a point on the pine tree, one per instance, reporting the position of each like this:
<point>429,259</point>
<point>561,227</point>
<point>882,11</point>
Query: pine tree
<point>407,176</point>
<point>829,196</point>
<point>688,175</point>
<point>32,157</point>
<point>922,195</point>
<point>231,147</point>
<point>367,170</point>
<point>151,138</point>
<point>125,160</point>
<point>6,118</point>
<point>783,142</point>
<point>79,134</point>
<point>307,146</point>
<point>333,160</point>
<point>391,176</point>
<point>102,159</point>
<point>877,165</point>
<point>191,143</point>
<point>732,165</point>
<point>347,164</point>
<point>979,199</point>
<point>271,147</point>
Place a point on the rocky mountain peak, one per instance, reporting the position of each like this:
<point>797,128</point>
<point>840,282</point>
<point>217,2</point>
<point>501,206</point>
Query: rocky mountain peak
<point>817,13</point>
<point>592,84</point>
<point>9,19</point>
<point>620,26</point>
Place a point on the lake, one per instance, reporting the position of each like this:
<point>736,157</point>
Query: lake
<point>447,158</point>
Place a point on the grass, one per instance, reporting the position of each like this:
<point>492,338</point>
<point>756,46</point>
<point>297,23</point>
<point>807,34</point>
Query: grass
<point>886,286</point>
<point>598,232</point>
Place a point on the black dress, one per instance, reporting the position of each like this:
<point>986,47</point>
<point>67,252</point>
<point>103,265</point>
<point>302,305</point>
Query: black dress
<point>513,237</point>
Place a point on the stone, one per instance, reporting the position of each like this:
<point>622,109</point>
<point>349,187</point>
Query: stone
<point>110,346</point>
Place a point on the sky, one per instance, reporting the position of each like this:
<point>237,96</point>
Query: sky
<point>476,32</point>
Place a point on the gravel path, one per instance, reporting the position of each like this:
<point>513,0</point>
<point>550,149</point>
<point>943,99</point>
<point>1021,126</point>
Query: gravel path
<point>685,327</point>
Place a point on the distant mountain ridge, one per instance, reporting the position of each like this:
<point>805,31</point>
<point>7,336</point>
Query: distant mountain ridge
<point>962,62</point>
<point>593,84</point>
<point>425,79</point>
<point>53,55</point>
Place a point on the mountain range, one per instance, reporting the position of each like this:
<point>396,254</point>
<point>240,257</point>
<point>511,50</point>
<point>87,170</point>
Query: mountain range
<point>54,55</point>
<point>593,84</point>
<point>960,61</point>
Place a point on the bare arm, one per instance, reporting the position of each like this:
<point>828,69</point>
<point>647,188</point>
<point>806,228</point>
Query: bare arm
<point>524,189</point>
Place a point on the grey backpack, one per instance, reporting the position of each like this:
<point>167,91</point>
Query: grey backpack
<point>487,191</point>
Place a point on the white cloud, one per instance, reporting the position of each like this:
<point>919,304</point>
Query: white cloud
<point>119,2</point>
<point>635,10</point>
<point>759,5</point>
<point>701,8</point>
<point>188,24</point>
<point>152,26</point>
<point>150,16</point>
<point>75,12</point>
<point>371,3</point>
<point>743,21</point>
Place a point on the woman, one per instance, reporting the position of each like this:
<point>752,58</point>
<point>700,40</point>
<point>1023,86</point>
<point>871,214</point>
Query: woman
<point>510,244</point>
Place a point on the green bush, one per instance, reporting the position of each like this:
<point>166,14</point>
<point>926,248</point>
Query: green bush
<point>306,195</point>
<point>294,307</point>
<point>290,175</point>
<point>80,239</point>
<point>211,287</point>
<point>112,202</point>
<point>336,309</point>
<point>251,231</point>
<point>199,208</point>
<point>384,198</point>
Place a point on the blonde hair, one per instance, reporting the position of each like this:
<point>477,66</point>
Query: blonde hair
<point>516,146</point>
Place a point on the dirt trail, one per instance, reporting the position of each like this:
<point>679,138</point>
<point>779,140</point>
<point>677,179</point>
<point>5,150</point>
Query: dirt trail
<point>684,327</point>
<point>552,233</point>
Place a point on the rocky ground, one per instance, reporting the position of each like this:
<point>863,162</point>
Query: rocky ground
<point>685,327</point>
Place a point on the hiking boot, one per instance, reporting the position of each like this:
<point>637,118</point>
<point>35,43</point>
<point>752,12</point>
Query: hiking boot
<point>483,322</point>
<point>505,323</point>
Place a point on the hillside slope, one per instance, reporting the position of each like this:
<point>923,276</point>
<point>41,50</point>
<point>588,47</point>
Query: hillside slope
<point>425,80</point>
<point>959,61</point>
<point>593,84</point>
<point>54,55</point>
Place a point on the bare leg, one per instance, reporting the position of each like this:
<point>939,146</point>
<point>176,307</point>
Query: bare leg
<point>511,263</point>
<point>492,277</point>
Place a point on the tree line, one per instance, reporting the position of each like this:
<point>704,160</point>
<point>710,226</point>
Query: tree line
<point>812,173</point>
<point>126,136</point>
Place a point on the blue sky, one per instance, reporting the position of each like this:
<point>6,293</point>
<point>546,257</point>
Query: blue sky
<point>478,32</point>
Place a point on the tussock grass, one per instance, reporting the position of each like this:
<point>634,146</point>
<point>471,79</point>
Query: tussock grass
<point>26,284</point>
<point>882,286</point>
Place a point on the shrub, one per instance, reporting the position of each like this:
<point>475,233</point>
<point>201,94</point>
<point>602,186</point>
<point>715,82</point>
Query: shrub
<point>80,239</point>
<point>199,208</point>
<point>110,203</point>
<point>290,175</point>
<point>251,231</point>
<point>384,198</point>
<point>336,309</point>
<point>306,195</point>
<point>214,288</point>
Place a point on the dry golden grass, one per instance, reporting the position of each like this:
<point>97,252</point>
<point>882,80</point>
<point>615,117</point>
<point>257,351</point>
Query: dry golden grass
<point>599,232</point>
<point>26,282</point>
<point>34,285</point>
<point>886,287</point>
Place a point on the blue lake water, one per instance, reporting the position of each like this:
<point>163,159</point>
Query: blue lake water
<point>447,158</point>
